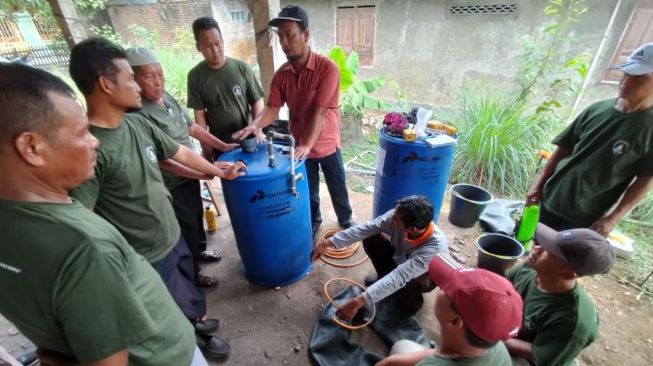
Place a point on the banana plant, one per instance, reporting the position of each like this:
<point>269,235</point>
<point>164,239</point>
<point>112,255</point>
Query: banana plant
<point>355,94</point>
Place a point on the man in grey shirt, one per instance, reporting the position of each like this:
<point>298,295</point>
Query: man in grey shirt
<point>400,244</point>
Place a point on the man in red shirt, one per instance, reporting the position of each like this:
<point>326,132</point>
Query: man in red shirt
<point>309,84</point>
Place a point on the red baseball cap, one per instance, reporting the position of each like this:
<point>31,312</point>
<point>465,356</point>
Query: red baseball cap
<point>487,302</point>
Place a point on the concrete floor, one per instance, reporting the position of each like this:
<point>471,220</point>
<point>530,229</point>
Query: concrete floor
<point>272,326</point>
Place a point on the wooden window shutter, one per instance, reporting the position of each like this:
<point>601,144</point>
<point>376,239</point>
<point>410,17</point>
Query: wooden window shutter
<point>355,27</point>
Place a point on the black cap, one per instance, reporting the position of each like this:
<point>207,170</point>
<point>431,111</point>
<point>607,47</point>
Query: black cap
<point>585,250</point>
<point>291,12</point>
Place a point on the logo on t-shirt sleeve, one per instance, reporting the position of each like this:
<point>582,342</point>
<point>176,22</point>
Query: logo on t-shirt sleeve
<point>149,152</point>
<point>238,91</point>
<point>620,147</point>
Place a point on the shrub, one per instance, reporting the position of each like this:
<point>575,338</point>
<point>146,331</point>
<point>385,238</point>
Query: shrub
<point>498,140</point>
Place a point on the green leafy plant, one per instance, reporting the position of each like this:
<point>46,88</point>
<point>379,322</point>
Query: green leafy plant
<point>355,94</point>
<point>551,75</point>
<point>497,141</point>
<point>644,211</point>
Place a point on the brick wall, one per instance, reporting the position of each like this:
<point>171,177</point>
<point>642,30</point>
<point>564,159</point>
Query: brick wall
<point>167,17</point>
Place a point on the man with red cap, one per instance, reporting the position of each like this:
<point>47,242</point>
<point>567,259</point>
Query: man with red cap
<point>560,319</point>
<point>476,310</point>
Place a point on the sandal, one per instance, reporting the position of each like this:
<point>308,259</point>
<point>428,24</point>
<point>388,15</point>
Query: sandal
<point>213,346</point>
<point>205,281</point>
<point>210,255</point>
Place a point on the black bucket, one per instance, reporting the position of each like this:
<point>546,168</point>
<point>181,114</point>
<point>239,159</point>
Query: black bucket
<point>498,252</point>
<point>467,204</point>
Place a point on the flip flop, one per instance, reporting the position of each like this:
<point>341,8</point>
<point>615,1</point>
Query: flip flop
<point>205,281</point>
<point>210,255</point>
<point>213,347</point>
<point>207,326</point>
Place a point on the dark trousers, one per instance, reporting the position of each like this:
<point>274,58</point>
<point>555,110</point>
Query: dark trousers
<point>187,202</point>
<point>334,175</point>
<point>176,271</point>
<point>380,252</point>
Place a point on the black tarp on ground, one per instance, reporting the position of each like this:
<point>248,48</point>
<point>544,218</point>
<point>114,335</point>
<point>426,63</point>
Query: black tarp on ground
<point>331,345</point>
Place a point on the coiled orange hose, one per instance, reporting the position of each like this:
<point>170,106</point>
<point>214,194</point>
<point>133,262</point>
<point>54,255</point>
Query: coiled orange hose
<point>330,299</point>
<point>339,254</point>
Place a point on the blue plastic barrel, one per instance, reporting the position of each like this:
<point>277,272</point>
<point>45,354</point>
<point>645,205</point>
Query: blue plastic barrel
<point>272,226</point>
<point>406,168</point>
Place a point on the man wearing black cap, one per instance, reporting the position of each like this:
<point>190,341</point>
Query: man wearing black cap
<point>560,319</point>
<point>603,165</point>
<point>308,83</point>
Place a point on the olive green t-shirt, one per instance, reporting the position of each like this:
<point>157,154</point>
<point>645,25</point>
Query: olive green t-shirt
<point>225,94</point>
<point>71,284</point>
<point>128,189</point>
<point>607,149</point>
<point>558,325</point>
<point>172,120</point>
<point>495,356</point>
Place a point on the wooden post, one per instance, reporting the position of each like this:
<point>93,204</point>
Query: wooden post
<point>268,51</point>
<point>71,25</point>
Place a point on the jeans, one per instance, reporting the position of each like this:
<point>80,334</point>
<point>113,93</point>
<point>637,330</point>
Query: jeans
<point>334,175</point>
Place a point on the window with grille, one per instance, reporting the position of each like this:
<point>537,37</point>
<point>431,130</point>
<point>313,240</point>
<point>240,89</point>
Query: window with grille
<point>482,9</point>
<point>238,17</point>
<point>355,28</point>
<point>9,31</point>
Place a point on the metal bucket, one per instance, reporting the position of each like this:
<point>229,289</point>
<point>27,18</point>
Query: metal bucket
<point>498,252</point>
<point>467,204</point>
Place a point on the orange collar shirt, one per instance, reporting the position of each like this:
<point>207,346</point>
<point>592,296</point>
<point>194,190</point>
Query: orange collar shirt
<point>317,85</point>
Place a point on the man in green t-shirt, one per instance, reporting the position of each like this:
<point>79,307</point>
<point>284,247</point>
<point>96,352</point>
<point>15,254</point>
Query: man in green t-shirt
<point>161,109</point>
<point>128,189</point>
<point>223,91</point>
<point>603,164</point>
<point>69,280</point>
<point>560,319</point>
<point>476,310</point>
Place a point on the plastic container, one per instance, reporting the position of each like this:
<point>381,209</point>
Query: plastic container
<point>498,252</point>
<point>271,225</point>
<point>407,168</point>
<point>467,204</point>
<point>211,224</point>
<point>249,144</point>
<point>527,225</point>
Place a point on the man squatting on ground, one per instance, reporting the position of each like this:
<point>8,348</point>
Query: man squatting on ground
<point>400,259</point>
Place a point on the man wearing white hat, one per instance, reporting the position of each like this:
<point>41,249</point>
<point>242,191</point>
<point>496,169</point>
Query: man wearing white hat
<point>603,165</point>
<point>161,109</point>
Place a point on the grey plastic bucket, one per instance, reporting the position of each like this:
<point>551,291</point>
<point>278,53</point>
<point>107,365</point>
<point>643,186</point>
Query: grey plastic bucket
<point>467,204</point>
<point>498,252</point>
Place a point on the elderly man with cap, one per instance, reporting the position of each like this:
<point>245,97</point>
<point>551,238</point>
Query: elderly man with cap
<point>603,165</point>
<point>161,109</point>
<point>308,83</point>
<point>476,310</point>
<point>560,319</point>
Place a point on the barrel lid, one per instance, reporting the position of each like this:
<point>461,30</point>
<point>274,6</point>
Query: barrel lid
<point>434,141</point>
<point>258,162</point>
